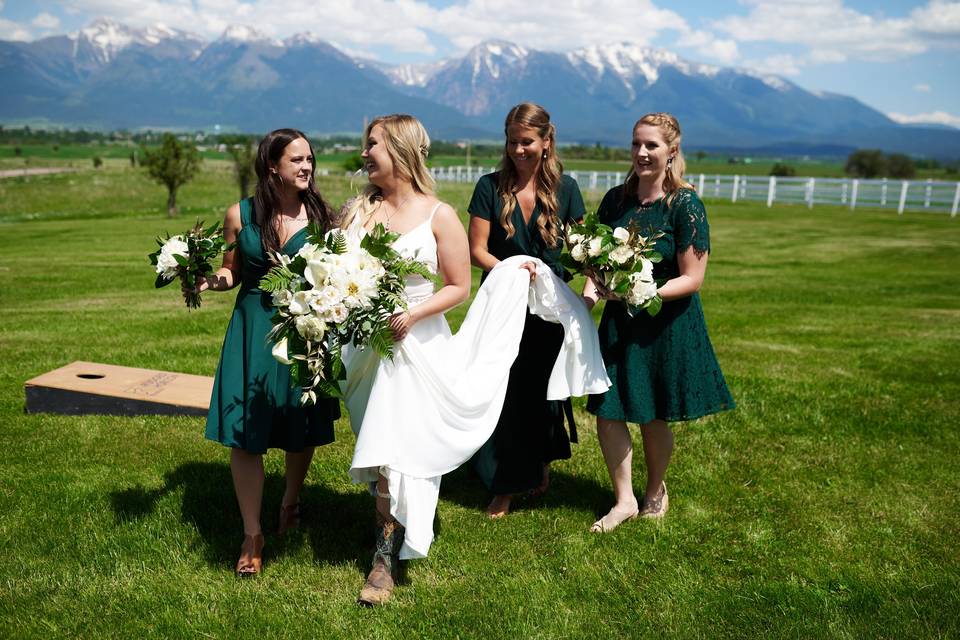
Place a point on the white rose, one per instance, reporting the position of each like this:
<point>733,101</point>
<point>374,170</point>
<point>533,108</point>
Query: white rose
<point>282,298</point>
<point>310,327</point>
<point>641,290</point>
<point>578,253</point>
<point>594,248</point>
<point>621,234</point>
<point>337,313</point>
<point>621,254</point>
<point>575,238</point>
<point>280,352</point>
<point>646,273</point>
<point>300,303</point>
<point>166,263</point>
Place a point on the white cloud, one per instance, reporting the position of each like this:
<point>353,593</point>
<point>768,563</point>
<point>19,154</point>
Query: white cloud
<point>922,88</point>
<point>934,117</point>
<point>781,65</point>
<point>45,21</point>
<point>833,32</point>
<point>10,30</point>
<point>724,52</point>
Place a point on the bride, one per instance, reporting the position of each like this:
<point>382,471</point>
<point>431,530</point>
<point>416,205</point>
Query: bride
<point>429,409</point>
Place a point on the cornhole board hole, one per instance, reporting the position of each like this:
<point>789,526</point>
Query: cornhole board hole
<point>89,387</point>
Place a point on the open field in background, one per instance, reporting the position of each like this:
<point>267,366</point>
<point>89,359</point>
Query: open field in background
<point>81,156</point>
<point>826,505</point>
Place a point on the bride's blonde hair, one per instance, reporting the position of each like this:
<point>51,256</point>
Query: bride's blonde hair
<point>408,145</point>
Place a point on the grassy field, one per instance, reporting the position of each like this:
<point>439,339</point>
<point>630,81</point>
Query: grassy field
<point>825,505</point>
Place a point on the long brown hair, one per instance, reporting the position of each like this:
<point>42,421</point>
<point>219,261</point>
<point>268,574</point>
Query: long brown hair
<point>408,144</point>
<point>533,116</point>
<point>673,178</point>
<point>268,195</point>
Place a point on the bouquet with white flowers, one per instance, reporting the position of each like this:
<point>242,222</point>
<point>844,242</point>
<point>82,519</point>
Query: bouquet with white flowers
<point>188,256</point>
<point>337,290</point>
<point>621,260</point>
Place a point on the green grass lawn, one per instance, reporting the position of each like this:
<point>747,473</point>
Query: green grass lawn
<point>825,505</point>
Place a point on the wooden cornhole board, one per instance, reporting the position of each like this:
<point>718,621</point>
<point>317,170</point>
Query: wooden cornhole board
<point>89,387</point>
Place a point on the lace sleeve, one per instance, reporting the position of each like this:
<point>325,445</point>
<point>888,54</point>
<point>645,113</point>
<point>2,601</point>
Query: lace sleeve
<point>690,223</point>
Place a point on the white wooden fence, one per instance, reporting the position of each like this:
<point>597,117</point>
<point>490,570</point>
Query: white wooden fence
<point>902,195</point>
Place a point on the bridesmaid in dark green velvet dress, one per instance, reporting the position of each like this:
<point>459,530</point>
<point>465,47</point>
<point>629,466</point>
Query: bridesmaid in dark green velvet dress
<point>523,209</point>
<point>253,406</point>
<point>663,368</point>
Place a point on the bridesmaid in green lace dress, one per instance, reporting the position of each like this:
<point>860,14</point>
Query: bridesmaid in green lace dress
<point>663,368</point>
<point>253,406</point>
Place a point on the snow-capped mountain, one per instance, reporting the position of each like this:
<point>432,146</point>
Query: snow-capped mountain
<point>111,75</point>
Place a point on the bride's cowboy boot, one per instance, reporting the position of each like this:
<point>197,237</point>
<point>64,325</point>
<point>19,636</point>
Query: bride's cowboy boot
<point>386,564</point>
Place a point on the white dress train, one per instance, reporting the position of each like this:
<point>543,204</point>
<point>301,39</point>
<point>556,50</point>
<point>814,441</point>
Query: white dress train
<point>429,409</point>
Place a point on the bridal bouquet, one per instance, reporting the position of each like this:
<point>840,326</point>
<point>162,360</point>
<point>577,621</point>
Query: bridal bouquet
<point>188,256</point>
<point>337,290</point>
<point>620,259</point>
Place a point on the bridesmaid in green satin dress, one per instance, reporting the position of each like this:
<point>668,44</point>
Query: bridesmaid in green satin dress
<point>253,406</point>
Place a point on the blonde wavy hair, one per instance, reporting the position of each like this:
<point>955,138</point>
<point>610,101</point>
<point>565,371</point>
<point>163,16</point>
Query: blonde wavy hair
<point>673,179</point>
<point>532,116</point>
<point>408,145</point>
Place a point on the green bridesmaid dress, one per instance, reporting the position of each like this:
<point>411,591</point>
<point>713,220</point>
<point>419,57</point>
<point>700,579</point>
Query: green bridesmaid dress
<point>662,367</point>
<point>253,407</point>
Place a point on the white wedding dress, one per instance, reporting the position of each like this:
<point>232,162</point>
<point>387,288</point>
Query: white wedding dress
<point>429,409</point>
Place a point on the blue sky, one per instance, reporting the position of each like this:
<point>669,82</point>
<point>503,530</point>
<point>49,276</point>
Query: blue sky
<point>899,56</point>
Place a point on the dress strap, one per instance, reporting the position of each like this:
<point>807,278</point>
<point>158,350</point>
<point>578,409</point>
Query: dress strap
<point>432,213</point>
<point>246,211</point>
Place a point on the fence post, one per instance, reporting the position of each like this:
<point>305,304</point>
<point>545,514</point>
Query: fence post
<point>853,194</point>
<point>716,186</point>
<point>843,191</point>
<point>771,191</point>
<point>927,192</point>
<point>459,170</point>
<point>903,196</point>
<point>736,187</point>
<point>700,190</point>
<point>956,201</point>
<point>593,180</point>
<point>811,186</point>
<point>883,193</point>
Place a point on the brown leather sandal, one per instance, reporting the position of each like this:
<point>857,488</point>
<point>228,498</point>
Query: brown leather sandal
<point>251,556</point>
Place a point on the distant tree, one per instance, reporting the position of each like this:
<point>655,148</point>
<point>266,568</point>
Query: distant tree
<point>17,151</point>
<point>242,151</point>
<point>353,164</point>
<point>56,148</point>
<point>173,164</point>
<point>927,163</point>
<point>782,170</point>
<point>700,155</point>
<point>900,166</point>
<point>97,162</point>
<point>133,158</point>
<point>866,163</point>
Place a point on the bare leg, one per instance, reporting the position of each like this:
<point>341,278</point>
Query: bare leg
<point>657,449</point>
<point>247,471</point>
<point>297,466</point>
<point>617,447</point>
<point>383,503</point>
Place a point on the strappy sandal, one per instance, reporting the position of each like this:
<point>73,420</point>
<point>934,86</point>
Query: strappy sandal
<point>657,508</point>
<point>290,518</point>
<point>606,524</point>
<point>251,556</point>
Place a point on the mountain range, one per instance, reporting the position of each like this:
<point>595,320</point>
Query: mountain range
<point>109,75</point>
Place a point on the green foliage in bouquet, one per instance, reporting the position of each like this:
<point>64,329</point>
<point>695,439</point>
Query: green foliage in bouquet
<point>620,260</point>
<point>188,257</point>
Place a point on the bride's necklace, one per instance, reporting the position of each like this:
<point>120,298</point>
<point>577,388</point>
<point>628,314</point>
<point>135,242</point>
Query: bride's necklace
<point>396,210</point>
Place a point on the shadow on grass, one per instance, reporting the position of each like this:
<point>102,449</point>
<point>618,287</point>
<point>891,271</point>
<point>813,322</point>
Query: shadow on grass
<point>337,526</point>
<point>566,491</point>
